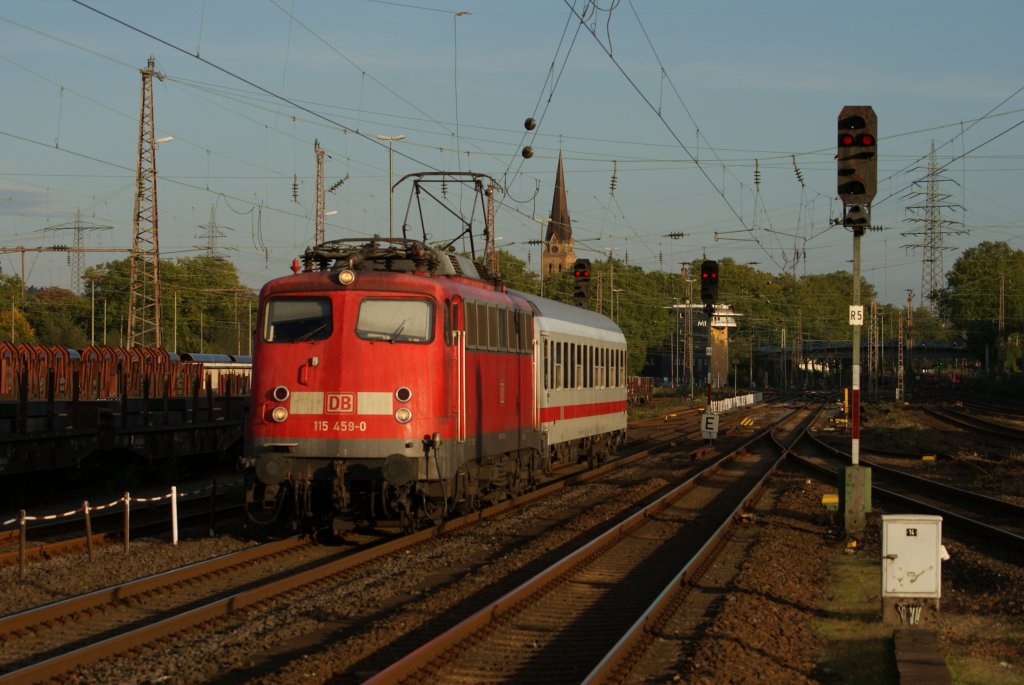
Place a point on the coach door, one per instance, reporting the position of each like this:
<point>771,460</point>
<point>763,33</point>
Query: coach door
<point>458,331</point>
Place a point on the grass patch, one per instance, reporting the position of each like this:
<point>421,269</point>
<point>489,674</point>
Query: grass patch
<point>983,650</point>
<point>859,648</point>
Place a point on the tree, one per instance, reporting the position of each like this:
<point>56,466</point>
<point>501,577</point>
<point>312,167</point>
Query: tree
<point>204,306</point>
<point>970,301</point>
<point>517,275</point>
<point>59,317</point>
<point>15,327</point>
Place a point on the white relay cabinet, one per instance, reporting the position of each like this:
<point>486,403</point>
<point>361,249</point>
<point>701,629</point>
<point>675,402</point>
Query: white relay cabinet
<point>912,555</point>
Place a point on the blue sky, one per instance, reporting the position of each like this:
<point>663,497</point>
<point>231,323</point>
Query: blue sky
<point>700,113</point>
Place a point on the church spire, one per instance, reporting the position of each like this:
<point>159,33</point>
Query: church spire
<point>558,244</point>
<point>559,224</point>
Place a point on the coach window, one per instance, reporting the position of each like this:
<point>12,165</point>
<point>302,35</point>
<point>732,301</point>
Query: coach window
<point>570,363</point>
<point>559,366</point>
<point>593,367</point>
<point>297,319</point>
<point>566,365</point>
<point>396,320</point>
<point>585,372</point>
<point>586,366</point>
<point>546,365</point>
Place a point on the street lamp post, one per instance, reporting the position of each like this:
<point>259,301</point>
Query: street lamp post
<point>391,193</point>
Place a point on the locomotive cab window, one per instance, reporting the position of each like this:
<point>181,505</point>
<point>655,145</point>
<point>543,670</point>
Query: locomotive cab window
<point>297,319</point>
<point>396,320</point>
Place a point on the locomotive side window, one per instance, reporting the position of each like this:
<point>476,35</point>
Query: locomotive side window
<point>481,326</point>
<point>513,330</point>
<point>525,332</point>
<point>396,320</point>
<point>448,322</point>
<point>297,319</point>
<point>493,338</point>
<point>515,321</point>
<point>502,317</point>
<point>471,337</point>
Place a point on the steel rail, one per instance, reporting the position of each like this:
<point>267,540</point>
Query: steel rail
<point>509,603</point>
<point>664,605</point>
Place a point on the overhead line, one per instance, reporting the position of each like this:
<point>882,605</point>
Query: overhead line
<point>238,77</point>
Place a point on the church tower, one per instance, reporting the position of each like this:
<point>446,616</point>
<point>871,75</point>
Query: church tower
<point>558,250</point>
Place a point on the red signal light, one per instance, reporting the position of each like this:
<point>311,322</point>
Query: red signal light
<point>861,140</point>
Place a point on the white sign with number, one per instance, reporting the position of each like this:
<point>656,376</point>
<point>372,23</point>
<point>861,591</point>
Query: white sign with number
<point>709,426</point>
<point>856,315</point>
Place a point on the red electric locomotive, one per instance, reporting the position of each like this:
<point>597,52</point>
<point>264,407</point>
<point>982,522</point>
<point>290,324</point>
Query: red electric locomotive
<point>392,381</point>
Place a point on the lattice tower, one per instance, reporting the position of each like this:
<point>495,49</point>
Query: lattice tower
<point>212,246</point>
<point>319,222</point>
<point>75,254</point>
<point>932,235</point>
<point>144,278</point>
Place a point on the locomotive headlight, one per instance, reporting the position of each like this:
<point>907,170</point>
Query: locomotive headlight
<point>279,414</point>
<point>280,393</point>
<point>346,277</point>
<point>403,394</point>
<point>403,415</point>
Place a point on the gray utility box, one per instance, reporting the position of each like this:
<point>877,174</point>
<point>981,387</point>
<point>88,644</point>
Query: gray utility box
<point>912,555</point>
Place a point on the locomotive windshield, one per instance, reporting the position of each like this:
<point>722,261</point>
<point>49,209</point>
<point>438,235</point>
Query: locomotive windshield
<point>297,319</point>
<point>396,320</point>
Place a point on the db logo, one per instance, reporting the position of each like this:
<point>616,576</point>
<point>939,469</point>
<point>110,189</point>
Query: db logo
<point>341,403</point>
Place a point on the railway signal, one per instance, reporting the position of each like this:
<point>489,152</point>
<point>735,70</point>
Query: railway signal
<point>581,282</point>
<point>709,282</point>
<point>857,164</point>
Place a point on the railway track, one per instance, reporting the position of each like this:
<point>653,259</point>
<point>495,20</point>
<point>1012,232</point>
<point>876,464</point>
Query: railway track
<point>172,616</point>
<point>146,610</point>
<point>997,520</point>
<point>975,423</point>
<point>585,613</point>
<point>63,535</point>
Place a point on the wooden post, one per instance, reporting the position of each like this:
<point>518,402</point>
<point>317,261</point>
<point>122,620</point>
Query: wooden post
<point>88,527</point>
<point>127,502</point>
<point>174,514</point>
<point>21,544</point>
<point>213,505</point>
